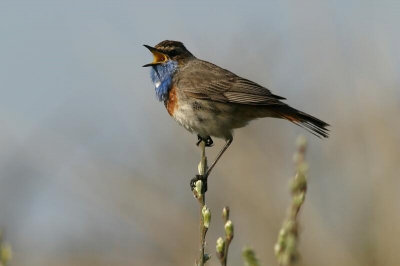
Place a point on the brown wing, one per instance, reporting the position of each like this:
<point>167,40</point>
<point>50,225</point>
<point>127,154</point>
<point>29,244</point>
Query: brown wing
<point>203,80</point>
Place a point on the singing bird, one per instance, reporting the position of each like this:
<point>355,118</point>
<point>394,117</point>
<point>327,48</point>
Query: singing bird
<point>211,101</point>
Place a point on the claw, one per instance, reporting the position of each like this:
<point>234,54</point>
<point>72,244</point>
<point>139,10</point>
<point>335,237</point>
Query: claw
<point>209,142</point>
<point>197,178</point>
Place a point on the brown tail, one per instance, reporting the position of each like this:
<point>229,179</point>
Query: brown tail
<point>306,121</point>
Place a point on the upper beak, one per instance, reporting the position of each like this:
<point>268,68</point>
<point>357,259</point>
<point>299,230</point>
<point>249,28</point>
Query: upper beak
<point>159,57</point>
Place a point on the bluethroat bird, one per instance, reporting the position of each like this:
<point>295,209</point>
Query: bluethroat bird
<point>211,101</point>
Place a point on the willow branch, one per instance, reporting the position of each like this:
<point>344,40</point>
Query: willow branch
<point>204,212</point>
<point>286,246</point>
<point>223,245</point>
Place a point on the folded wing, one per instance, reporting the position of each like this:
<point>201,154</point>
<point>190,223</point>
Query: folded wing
<point>210,82</point>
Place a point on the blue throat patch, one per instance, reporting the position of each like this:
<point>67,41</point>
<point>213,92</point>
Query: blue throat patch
<point>161,76</point>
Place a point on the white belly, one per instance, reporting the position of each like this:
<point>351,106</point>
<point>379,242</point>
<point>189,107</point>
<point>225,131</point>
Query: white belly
<point>203,122</point>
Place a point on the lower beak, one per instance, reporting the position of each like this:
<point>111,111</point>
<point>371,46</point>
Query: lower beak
<point>159,57</point>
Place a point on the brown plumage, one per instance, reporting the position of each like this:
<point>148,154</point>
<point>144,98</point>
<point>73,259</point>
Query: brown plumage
<point>209,82</point>
<point>211,101</point>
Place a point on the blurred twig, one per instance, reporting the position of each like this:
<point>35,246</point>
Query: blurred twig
<point>205,214</point>
<point>5,251</point>
<point>286,246</point>
<point>249,257</point>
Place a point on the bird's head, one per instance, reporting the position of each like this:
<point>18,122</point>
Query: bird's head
<point>169,50</point>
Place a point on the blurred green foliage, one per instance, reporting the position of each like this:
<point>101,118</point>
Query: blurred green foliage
<point>5,251</point>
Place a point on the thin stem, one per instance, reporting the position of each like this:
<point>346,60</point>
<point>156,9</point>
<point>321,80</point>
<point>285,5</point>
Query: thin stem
<point>286,246</point>
<point>228,242</point>
<point>202,236</point>
<point>201,259</point>
<point>223,245</point>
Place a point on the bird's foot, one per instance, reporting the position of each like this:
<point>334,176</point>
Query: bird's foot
<point>209,142</point>
<point>203,179</point>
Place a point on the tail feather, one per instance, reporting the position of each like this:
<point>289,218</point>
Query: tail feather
<point>312,124</point>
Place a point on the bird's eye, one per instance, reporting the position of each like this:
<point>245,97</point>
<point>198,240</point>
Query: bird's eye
<point>173,52</point>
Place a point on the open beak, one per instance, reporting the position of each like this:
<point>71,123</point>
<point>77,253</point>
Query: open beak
<point>159,57</point>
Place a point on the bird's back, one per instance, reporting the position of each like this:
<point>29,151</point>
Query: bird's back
<point>204,80</point>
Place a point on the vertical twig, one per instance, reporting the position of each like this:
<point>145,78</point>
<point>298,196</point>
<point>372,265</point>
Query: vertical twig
<point>223,245</point>
<point>286,246</point>
<point>5,252</point>
<point>204,212</point>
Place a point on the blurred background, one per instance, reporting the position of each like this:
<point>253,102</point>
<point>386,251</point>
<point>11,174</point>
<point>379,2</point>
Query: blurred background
<point>93,171</point>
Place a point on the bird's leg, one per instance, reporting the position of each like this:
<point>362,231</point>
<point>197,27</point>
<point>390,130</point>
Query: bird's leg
<point>205,176</point>
<point>226,146</point>
<point>208,141</point>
